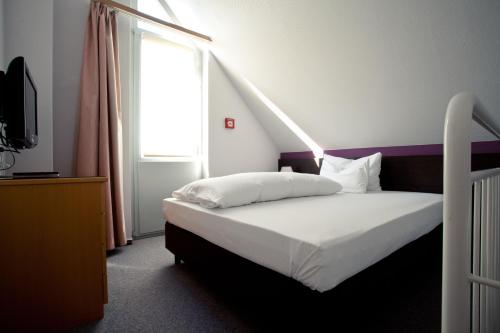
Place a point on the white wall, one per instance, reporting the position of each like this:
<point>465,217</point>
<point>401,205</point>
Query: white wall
<point>243,149</point>
<point>358,73</point>
<point>275,127</point>
<point>28,31</point>
<point>70,17</point>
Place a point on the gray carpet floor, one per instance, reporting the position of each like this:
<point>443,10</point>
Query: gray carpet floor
<point>149,293</point>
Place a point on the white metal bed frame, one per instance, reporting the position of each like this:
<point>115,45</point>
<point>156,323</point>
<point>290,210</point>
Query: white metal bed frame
<point>471,226</point>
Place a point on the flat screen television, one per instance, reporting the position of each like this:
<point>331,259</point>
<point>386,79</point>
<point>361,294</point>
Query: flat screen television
<point>21,105</point>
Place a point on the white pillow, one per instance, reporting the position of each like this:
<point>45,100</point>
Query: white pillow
<point>353,178</point>
<point>374,167</point>
<point>245,188</point>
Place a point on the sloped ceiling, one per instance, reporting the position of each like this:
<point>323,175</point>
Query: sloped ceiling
<point>358,73</point>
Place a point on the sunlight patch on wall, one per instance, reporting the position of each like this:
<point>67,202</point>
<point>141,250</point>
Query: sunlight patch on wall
<point>315,148</point>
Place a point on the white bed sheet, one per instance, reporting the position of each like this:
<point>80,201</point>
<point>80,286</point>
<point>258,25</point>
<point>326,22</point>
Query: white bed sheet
<point>319,241</point>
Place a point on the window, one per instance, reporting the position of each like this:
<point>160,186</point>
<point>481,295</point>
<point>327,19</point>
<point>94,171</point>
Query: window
<point>169,95</point>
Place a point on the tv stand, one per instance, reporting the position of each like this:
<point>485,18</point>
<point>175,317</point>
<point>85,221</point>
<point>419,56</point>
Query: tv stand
<point>53,253</point>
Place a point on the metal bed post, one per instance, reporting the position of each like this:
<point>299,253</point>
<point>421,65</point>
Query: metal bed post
<point>471,201</point>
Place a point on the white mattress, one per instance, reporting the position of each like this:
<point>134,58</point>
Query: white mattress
<point>319,241</point>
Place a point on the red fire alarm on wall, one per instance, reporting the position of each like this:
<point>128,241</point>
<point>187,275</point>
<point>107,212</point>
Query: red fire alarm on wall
<point>229,123</point>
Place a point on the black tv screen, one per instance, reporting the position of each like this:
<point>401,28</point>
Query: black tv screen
<point>21,123</point>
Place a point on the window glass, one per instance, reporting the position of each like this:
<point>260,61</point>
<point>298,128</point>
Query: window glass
<point>169,98</point>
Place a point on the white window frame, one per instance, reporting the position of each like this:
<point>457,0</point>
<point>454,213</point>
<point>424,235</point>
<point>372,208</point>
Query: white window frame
<point>137,34</point>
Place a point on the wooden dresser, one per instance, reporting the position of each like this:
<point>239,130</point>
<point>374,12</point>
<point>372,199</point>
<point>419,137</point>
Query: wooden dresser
<point>52,253</point>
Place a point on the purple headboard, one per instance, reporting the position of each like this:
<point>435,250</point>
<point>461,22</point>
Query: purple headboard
<point>483,147</point>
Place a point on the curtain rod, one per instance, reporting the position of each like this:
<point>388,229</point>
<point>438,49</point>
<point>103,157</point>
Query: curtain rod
<point>151,19</point>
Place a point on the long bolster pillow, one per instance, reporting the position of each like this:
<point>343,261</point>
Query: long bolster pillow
<point>246,188</point>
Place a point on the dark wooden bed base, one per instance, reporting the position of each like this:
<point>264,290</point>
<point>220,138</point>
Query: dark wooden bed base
<point>195,250</point>
<point>405,173</point>
<point>399,173</point>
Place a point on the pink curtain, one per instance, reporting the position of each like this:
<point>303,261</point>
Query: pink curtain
<point>99,143</point>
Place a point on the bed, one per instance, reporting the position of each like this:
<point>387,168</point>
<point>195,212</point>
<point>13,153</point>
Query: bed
<point>370,228</point>
<point>319,241</point>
